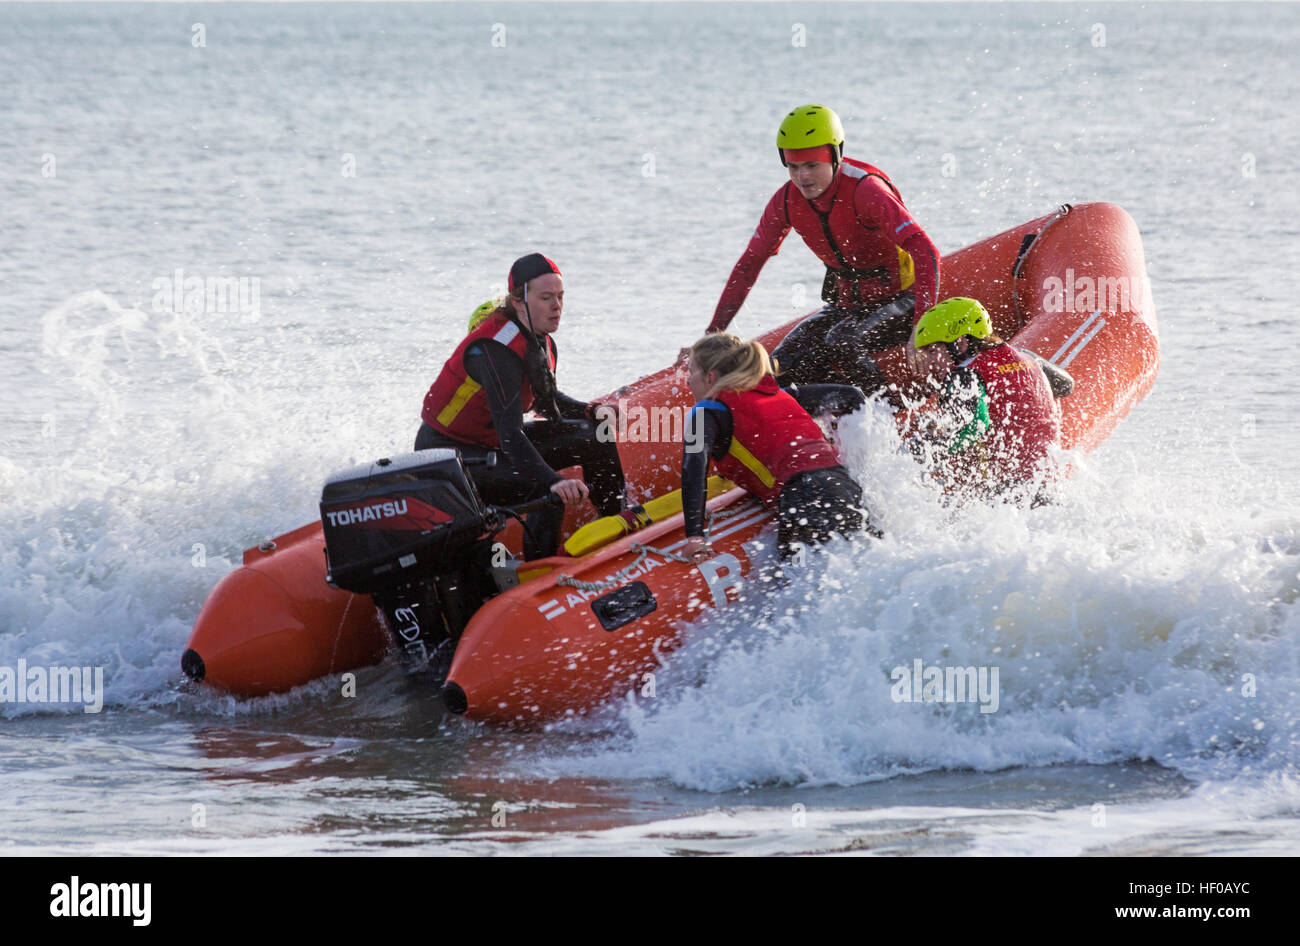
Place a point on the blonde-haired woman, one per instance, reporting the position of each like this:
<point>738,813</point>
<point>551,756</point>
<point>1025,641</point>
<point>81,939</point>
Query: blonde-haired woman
<point>764,439</point>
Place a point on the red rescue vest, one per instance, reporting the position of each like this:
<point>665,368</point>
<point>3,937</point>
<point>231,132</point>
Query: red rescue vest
<point>1025,416</point>
<point>456,405</point>
<point>772,439</point>
<point>864,261</point>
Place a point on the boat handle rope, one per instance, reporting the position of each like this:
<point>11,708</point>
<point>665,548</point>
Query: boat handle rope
<point>1026,245</point>
<point>722,514</point>
<point>619,576</point>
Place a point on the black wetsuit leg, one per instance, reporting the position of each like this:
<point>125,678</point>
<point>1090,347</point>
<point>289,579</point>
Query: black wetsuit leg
<point>426,438</point>
<point>816,503</point>
<point>836,344</point>
<point>503,485</point>
<point>834,399</point>
<point>803,356</point>
<point>574,443</point>
<point>563,443</point>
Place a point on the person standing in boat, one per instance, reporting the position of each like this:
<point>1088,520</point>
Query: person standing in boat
<point>882,271</point>
<point>763,438</point>
<point>997,417</point>
<point>503,368</point>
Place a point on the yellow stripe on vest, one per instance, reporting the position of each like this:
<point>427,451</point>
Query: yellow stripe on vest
<point>750,462</point>
<point>906,269</point>
<point>468,388</point>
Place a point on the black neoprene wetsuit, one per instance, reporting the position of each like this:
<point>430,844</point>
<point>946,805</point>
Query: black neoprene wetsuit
<point>838,343</point>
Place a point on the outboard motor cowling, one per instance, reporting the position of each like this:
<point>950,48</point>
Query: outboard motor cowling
<point>398,519</point>
<point>411,532</point>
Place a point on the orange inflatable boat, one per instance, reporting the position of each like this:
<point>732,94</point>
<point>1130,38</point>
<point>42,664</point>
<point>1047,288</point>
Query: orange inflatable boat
<point>521,642</point>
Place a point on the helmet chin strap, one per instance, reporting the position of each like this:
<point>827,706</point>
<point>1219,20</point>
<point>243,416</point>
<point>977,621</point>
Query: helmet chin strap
<point>548,394</point>
<point>529,313</point>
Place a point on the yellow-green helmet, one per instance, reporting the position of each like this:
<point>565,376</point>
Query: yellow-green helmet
<point>482,312</point>
<point>809,126</point>
<point>951,319</point>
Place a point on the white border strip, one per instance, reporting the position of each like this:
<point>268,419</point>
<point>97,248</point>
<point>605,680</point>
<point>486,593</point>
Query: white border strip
<point>1077,332</point>
<point>1083,344</point>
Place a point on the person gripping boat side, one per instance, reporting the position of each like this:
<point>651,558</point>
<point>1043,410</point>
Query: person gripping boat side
<point>764,439</point>
<point>504,367</point>
<point>882,270</point>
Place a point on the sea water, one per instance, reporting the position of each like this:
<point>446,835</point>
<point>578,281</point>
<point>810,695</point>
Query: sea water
<point>240,240</point>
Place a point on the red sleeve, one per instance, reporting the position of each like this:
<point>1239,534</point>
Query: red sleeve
<point>877,206</point>
<point>763,245</point>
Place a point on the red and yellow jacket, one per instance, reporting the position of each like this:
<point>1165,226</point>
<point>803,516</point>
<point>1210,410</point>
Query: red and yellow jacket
<point>772,439</point>
<point>456,405</point>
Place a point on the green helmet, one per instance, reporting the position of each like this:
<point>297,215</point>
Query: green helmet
<point>482,312</point>
<point>809,126</point>
<point>951,319</point>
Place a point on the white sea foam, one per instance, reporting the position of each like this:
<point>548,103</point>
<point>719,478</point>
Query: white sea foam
<point>144,492</point>
<point>1121,630</point>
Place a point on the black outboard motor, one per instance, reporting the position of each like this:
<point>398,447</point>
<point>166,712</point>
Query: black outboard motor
<point>412,532</point>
